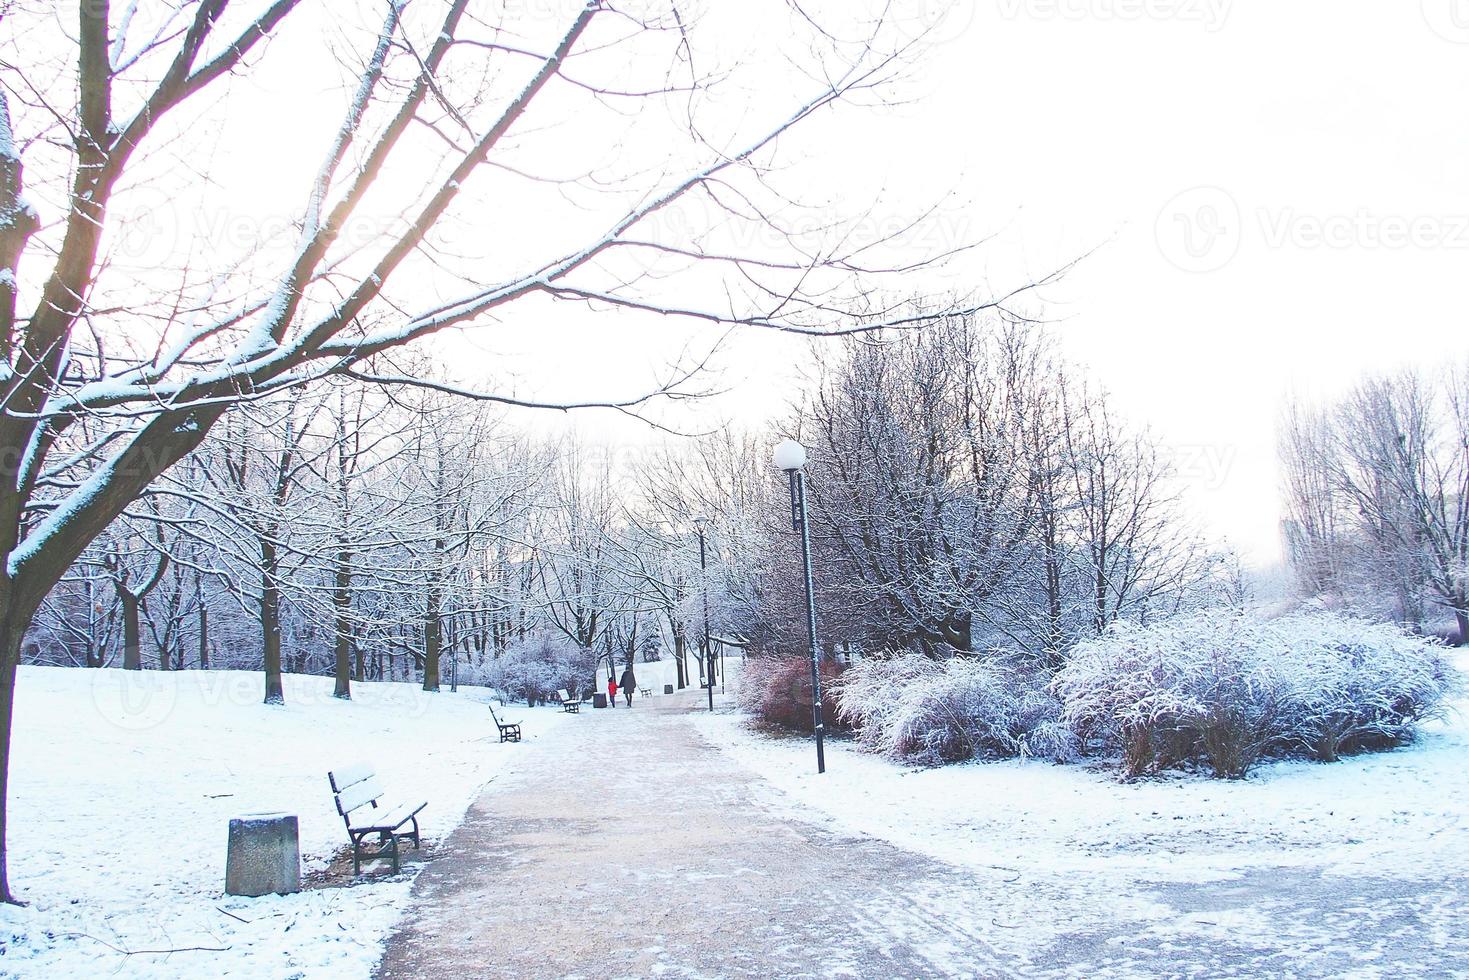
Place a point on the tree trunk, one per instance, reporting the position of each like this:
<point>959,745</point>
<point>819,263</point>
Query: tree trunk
<point>132,630</point>
<point>681,664</point>
<point>1462,617</point>
<point>270,623</point>
<point>432,639</point>
<point>342,603</point>
<point>12,631</point>
<point>203,637</point>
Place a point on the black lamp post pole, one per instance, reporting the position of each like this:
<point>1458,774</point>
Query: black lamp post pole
<point>798,496</point>
<point>708,647</point>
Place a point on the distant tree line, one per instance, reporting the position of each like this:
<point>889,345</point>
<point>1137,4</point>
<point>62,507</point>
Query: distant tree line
<point>1376,496</point>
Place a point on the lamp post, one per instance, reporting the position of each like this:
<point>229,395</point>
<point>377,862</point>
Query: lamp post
<point>704,587</point>
<point>790,456</point>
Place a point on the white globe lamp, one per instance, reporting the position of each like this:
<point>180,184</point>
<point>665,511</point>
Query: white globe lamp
<point>790,456</point>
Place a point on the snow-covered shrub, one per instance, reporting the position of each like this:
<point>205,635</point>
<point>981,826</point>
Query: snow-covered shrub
<point>911,708</point>
<point>1226,688</point>
<point>777,690</point>
<point>538,666</point>
<point>1354,685</point>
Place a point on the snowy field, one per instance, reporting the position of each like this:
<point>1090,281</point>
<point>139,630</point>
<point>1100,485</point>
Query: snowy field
<point>123,785</point>
<point>1103,847</point>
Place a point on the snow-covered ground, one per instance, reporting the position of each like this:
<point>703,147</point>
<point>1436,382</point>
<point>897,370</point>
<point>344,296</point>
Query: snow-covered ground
<point>1399,814</point>
<point>123,784</point>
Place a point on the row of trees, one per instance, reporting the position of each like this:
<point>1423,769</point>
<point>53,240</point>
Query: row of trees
<point>968,489</point>
<point>357,531</point>
<point>319,529</point>
<point>972,489</point>
<point>1376,488</point>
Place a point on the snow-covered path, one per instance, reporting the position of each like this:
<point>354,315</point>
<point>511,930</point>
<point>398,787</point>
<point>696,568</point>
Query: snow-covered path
<point>638,849</point>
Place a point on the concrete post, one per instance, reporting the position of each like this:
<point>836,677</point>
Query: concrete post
<point>264,855</point>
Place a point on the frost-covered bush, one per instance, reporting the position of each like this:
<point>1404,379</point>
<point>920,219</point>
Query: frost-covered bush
<point>1191,689</point>
<point>1225,689</point>
<point>914,709</point>
<point>1354,685</point>
<point>538,666</point>
<point>777,690</point>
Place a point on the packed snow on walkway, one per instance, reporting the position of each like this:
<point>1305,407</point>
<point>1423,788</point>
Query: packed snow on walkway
<point>123,784</point>
<point>1402,814</point>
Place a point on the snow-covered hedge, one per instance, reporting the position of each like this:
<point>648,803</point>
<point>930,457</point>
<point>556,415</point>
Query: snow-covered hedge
<point>1226,689</point>
<point>1354,685</point>
<point>914,709</point>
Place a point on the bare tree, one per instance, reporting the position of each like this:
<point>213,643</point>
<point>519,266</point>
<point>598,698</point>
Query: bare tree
<point>1314,522</point>
<point>578,556</point>
<point>135,572</point>
<point>1137,555</point>
<point>724,477</point>
<point>920,484</point>
<point>1401,461</point>
<point>260,467</point>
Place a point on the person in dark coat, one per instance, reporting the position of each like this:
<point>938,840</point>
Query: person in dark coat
<point>629,684</point>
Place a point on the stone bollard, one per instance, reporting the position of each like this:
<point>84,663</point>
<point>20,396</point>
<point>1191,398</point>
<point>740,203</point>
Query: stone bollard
<point>264,855</point>
<point>599,700</point>
<point>667,688</point>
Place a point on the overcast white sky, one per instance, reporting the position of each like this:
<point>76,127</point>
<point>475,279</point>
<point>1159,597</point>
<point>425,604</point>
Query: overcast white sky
<point>1281,189</point>
<point>1330,237</point>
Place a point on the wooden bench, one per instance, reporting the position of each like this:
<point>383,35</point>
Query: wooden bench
<point>567,704</point>
<point>509,730</point>
<point>358,796</point>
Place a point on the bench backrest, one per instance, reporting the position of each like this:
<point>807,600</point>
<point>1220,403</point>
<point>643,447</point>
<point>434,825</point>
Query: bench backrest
<point>563,695</point>
<point>354,787</point>
<point>493,717</point>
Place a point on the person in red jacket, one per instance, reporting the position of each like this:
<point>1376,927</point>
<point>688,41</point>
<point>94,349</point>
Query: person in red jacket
<point>611,692</point>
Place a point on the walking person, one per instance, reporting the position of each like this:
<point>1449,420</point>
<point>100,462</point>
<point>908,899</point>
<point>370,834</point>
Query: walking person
<point>629,684</point>
<point>611,692</point>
